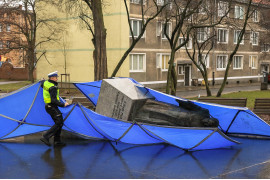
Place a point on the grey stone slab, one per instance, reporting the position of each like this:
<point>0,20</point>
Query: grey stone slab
<point>120,98</point>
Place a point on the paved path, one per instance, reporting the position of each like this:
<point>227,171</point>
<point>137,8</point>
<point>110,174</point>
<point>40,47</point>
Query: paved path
<point>187,92</point>
<point>9,82</point>
<point>195,91</point>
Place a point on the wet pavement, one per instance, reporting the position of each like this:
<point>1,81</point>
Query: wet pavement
<point>103,159</point>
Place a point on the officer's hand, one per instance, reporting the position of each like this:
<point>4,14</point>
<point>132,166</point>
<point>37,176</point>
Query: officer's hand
<point>66,104</point>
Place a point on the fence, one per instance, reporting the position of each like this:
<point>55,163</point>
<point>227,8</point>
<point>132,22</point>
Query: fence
<point>7,71</point>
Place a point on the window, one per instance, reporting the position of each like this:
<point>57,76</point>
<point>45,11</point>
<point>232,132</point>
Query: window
<point>137,62</point>
<point>190,18</point>
<point>222,35</point>
<point>8,44</point>
<point>161,27</point>
<point>253,62</point>
<point>221,62</point>
<point>236,36</point>
<point>181,70</point>
<point>202,34</point>
<point>238,62</point>
<point>168,30</point>
<point>255,16</point>
<point>1,44</point>
<point>188,44</point>
<point>265,47</point>
<point>162,61</point>
<point>137,1</point>
<point>136,27</point>
<point>254,38</point>
<point>160,2</point>
<point>8,28</point>
<point>205,60</point>
<point>239,12</point>
<point>204,7</point>
<point>201,10</point>
<point>7,15</point>
<point>222,8</point>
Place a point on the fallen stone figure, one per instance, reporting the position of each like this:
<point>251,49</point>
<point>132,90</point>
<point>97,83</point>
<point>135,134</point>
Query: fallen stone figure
<point>187,114</point>
<point>133,103</point>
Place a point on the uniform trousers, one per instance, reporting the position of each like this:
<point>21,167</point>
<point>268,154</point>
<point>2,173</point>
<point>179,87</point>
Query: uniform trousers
<point>57,117</point>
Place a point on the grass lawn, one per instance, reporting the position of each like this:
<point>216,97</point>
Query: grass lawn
<point>250,95</point>
<point>6,88</point>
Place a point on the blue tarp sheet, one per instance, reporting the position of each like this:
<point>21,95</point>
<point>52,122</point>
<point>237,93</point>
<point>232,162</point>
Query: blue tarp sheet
<point>22,112</point>
<point>233,120</point>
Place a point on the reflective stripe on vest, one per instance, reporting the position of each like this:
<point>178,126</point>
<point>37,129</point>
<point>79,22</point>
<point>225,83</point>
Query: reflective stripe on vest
<point>46,94</point>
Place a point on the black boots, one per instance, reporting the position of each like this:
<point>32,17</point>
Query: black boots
<point>57,141</point>
<point>45,140</point>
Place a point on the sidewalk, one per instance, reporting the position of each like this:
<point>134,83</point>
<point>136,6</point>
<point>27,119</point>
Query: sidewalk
<point>9,82</point>
<point>195,91</point>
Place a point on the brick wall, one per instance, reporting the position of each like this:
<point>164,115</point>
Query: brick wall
<point>7,71</point>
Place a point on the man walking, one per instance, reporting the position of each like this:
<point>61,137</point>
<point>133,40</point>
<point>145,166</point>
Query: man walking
<point>52,101</point>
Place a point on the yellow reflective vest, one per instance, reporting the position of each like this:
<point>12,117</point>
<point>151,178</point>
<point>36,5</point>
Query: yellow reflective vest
<point>46,94</point>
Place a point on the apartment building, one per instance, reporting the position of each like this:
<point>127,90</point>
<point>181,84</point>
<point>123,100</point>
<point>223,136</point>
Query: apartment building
<point>149,58</point>
<point>10,37</point>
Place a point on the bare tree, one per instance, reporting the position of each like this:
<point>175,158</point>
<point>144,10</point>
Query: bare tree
<point>91,14</point>
<point>152,11</point>
<point>26,28</point>
<point>181,13</point>
<point>187,18</point>
<point>201,49</point>
<point>201,52</point>
<point>204,37</point>
<point>10,38</point>
<point>264,23</point>
<point>248,14</point>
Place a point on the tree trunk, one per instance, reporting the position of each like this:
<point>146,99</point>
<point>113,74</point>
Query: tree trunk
<point>208,91</point>
<point>235,50</point>
<point>171,76</point>
<point>31,66</point>
<point>222,86</point>
<point>99,54</point>
<point>226,73</point>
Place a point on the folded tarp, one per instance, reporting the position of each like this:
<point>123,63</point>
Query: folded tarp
<point>233,120</point>
<point>22,112</point>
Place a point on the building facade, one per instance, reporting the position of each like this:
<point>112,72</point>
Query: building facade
<point>11,37</point>
<point>149,59</point>
<point>73,53</point>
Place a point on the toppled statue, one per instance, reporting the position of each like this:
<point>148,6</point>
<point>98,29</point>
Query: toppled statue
<point>187,114</point>
<point>132,102</point>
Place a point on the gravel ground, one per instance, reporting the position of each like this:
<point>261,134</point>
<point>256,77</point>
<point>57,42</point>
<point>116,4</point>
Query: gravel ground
<point>266,118</point>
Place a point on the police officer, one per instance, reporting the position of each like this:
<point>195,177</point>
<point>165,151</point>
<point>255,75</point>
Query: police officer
<point>52,101</point>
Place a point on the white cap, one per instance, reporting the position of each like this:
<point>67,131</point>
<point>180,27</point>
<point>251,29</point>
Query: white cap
<point>55,73</point>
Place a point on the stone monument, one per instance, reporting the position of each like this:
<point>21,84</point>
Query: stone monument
<point>120,98</point>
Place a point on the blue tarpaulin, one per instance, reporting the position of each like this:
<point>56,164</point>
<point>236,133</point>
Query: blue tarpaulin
<point>232,120</point>
<point>22,112</point>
